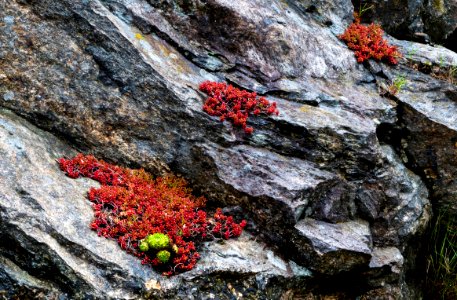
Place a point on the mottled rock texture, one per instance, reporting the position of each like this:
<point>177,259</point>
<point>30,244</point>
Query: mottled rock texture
<point>421,20</point>
<point>338,185</point>
<point>49,251</point>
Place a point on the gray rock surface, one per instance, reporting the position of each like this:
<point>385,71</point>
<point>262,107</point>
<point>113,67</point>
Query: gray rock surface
<point>336,247</point>
<point>48,248</point>
<point>420,20</point>
<point>424,134</point>
<point>119,79</point>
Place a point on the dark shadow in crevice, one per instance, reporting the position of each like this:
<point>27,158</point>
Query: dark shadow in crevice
<point>415,253</point>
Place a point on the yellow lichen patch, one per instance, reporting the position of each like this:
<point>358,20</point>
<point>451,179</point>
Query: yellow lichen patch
<point>439,6</point>
<point>139,36</point>
<point>305,108</point>
<point>176,64</point>
<point>321,116</point>
<point>166,51</point>
<point>317,111</point>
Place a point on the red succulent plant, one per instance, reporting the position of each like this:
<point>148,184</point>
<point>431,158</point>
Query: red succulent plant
<point>235,105</point>
<point>368,42</point>
<point>131,204</point>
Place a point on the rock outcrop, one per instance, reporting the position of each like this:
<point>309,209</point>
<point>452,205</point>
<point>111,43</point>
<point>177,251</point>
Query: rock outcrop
<point>49,251</point>
<point>338,185</point>
<point>432,21</point>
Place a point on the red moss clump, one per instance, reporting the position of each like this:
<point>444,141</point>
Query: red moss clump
<point>131,204</point>
<point>235,105</point>
<point>367,42</point>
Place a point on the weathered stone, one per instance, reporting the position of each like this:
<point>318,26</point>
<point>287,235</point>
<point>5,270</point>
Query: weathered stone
<point>388,292</point>
<point>336,247</point>
<point>369,200</point>
<point>420,20</point>
<point>48,248</point>
<point>406,209</point>
<point>45,216</point>
<point>120,79</point>
<point>425,55</point>
<point>425,133</point>
<point>334,204</point>
<point>259,173</point>
<point>389,256</point>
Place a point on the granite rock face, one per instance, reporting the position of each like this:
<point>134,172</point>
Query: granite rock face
<point>336,185</point>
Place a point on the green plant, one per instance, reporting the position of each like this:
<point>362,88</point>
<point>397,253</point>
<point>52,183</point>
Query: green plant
<point>144,246</point>
<point>157,241</point>
<point>397,84</point>
<point>363,9</point>
<point>442,260</point>
<point>163,256</point>
<point>441,61</point>
<point>410,53</point>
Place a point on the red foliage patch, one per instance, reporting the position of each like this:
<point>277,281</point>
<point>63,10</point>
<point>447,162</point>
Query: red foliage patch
<point>235,105</point>
<point>130,204</point>
<point>367,42</point>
